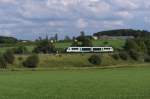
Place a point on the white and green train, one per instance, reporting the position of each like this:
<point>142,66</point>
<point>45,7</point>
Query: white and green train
<point>89,49</point>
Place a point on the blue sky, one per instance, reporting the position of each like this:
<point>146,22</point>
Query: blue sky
<point>29,19</point>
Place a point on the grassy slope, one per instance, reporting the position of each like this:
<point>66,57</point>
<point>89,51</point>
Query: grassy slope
<point>74,60</point>
<point>127,83</point>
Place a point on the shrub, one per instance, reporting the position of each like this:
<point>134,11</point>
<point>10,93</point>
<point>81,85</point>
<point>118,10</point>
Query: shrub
<point>21,50</point>
<point>31,62</point>
<point>116,56</point>
<point>131,45</point>
<point>60,50</point>
<point>9,56</point>
<point>20,58</point>
<point>123,55</point>
<point>3,63</point>
<point>148,52</point>
<point>95,60</point>
<point>44,46</point>
<point>147,59</point>
<point>134,54</point>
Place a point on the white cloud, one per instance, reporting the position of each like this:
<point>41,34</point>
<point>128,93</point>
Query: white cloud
<point>81,24</point>
<point>6,33</point>
<point>125,14</point>
<point>70,16</point>
<point>147,19</point>
<point>8,1</point>
<point>127,4</point>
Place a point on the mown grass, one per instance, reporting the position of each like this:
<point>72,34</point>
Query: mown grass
<point>126,83</point>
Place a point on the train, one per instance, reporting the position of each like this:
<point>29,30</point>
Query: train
<point>89,49</point>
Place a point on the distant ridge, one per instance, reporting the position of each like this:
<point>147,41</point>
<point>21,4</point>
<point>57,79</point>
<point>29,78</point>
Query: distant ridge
<point>5,39</point>
<point>123,32</point>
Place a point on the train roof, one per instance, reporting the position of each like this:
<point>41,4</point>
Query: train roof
<point>90,47</point>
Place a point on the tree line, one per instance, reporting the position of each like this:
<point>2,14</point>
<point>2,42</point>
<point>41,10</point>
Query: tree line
<point>124,32</point>
<point>7,40</point>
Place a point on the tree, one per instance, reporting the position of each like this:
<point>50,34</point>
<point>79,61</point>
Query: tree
<point>67,38</point>
<point>95,60</point>
<point>44,46</point>
<point>147,59</point>
<point>21,50</point>
<point>83,41</point>
<point>131,45</point>
<point>75,43</point>
<point>124,32</point>
<point>123,55</point>
<point>81,37</point>
<point>86,43</point>
<point>147,43</point>
<point>3,63</point>
<point>116,56</point>
<point>140,42</point>
<point>56,37</point>
<point>134,54</point>
<point>9,40</point>
<point>32,61</point>
<point>9,56</point>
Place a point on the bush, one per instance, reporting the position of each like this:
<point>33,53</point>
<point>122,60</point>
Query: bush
<point>3,63</point>
<point>123,55</point>
<point>148,52</point>
<point>134,54</point>
<point>31,62</point>
<point>20,58</point>
<point>131,45</point>
<point>44,46</point>
<point>21,50</point>
<point>116,56</point>
<point>147,59</point>
<point>9,56</point>
<point>60,50</point>
<point>95,60</point>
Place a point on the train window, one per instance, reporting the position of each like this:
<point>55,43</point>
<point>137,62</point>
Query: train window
<point>96,49</point>
<point>106,48</point>
<point>74,48</point>
<point>86,49</point>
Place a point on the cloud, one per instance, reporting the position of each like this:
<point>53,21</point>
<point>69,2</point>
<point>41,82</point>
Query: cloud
<point>81,24</point>
<point>28,19</point>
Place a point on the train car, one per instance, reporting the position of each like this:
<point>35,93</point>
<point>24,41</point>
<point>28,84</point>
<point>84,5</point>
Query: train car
<point>89,49</point>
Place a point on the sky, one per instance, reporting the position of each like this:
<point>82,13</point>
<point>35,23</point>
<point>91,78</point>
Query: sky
<point>29,19</point>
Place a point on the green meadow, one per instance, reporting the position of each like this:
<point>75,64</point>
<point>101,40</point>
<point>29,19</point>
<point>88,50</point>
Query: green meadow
<point>71,76</point>
<point>117,44</point>
<point>116,83</point>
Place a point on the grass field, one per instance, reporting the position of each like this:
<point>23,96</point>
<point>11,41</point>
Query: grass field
<point>114,43</point>
<point>121,83</point>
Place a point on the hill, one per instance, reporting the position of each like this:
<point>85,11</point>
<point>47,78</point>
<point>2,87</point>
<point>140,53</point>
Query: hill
<point>4,39</point>
<point>123,32</point>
